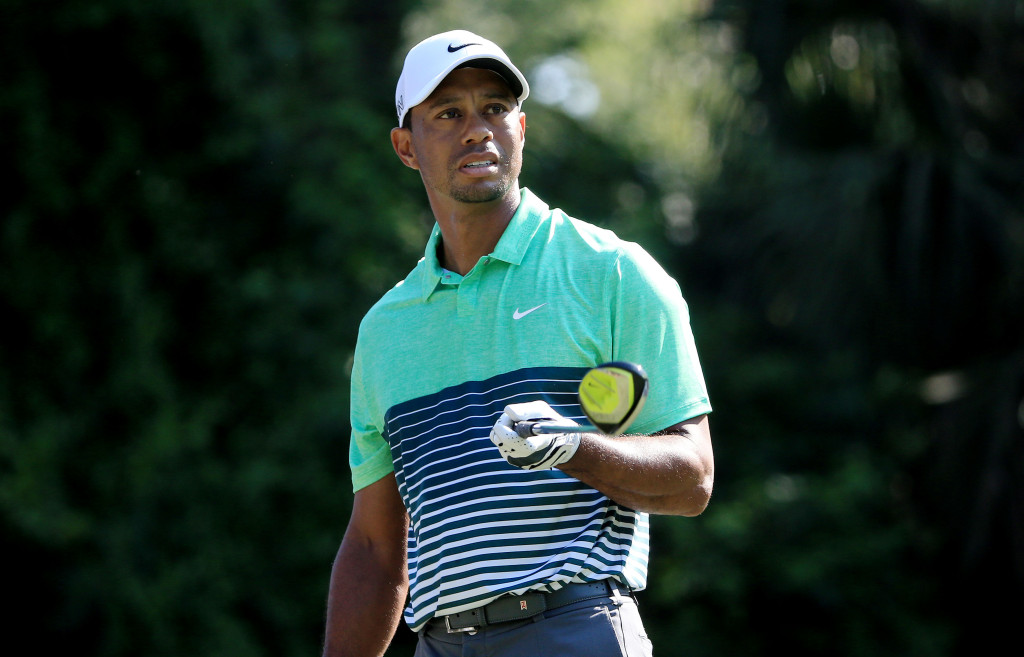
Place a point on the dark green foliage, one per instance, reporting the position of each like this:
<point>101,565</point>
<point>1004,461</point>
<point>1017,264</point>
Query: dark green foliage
<point>859,279</point>
<point>192,226</point>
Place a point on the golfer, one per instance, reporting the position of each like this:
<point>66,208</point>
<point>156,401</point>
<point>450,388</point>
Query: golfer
<point>488,543</point>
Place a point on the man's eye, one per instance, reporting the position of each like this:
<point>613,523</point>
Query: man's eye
<point>497,109</point>
<point>448,114</point>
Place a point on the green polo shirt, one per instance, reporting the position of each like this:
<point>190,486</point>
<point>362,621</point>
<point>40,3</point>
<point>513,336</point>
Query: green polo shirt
<point>440,356</point>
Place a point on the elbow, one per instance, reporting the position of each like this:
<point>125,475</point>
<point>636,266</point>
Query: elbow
<point>690,502</point>
<point>689,492</point>
<point>697,499</point>
<point>695,496</point>
<point>696,470</point>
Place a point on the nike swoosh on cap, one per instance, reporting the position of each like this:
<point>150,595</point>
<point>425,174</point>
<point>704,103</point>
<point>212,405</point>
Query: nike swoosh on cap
<point>452,48</point>
<point>520,315</point>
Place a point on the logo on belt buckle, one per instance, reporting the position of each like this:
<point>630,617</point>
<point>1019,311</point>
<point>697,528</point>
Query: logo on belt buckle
<point>522,605</point>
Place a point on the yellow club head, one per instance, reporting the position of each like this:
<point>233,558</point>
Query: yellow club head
<point>612,395</point>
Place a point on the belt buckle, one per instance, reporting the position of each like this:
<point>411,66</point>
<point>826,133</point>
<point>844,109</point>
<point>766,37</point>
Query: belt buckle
<point>471,630</point>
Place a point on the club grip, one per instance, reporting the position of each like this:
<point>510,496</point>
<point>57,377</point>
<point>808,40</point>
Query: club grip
<point>541,426</point>
<point>525,428</point>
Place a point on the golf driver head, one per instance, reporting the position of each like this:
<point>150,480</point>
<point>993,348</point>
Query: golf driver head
<point>612,395</point>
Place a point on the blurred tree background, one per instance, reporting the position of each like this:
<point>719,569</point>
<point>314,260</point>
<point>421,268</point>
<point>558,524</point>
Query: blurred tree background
<point>202,202</point>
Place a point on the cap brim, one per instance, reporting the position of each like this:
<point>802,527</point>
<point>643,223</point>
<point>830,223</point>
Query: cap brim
<point>507,74</point>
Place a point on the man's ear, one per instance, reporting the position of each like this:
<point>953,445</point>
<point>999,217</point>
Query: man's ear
<point>522,126</point>
<point>401,141</point>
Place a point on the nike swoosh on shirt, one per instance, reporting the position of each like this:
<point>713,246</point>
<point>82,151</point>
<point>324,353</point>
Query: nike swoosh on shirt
<point>452,48</point>
<point>520,315</point>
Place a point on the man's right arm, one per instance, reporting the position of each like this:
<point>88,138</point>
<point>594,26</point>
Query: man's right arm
<point>369,580</point>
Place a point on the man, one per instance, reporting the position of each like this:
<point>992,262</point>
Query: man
<point>491,543</point>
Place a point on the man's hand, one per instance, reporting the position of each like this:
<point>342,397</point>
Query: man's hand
<point>536,452</point>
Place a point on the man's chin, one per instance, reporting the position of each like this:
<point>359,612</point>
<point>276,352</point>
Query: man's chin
<point>481,193</point>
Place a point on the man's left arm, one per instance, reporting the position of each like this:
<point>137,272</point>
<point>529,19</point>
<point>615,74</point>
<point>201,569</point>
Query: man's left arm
<point>671,472</point>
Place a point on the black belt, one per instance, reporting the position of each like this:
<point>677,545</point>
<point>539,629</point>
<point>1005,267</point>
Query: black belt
<point>510,608</point>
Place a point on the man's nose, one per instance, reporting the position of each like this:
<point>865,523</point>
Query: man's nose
<point>478,129</point>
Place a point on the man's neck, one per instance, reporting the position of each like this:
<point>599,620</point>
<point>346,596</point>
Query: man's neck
<point>470,231</point>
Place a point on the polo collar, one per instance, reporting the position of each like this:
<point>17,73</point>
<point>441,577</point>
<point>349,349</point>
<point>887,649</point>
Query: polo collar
<point>511,248</point>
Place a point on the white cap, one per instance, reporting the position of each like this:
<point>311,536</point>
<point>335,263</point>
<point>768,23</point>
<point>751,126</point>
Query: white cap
<point>431,60</point>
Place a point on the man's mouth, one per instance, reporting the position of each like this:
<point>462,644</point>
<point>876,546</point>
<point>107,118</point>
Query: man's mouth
<point>481,163</point>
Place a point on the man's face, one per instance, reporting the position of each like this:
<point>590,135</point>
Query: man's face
<point>466,139</point>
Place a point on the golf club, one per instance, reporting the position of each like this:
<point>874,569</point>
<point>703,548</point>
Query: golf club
<point>611,396</point>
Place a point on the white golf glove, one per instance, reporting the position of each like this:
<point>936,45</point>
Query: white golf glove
<point>536,452</point>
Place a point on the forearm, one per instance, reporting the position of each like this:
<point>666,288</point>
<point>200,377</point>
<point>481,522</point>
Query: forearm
<point>669,474</point>
<point>364,606</point>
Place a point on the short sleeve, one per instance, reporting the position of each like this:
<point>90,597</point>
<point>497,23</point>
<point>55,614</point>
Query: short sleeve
<point>651,326</point>
<point>369,455</point>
